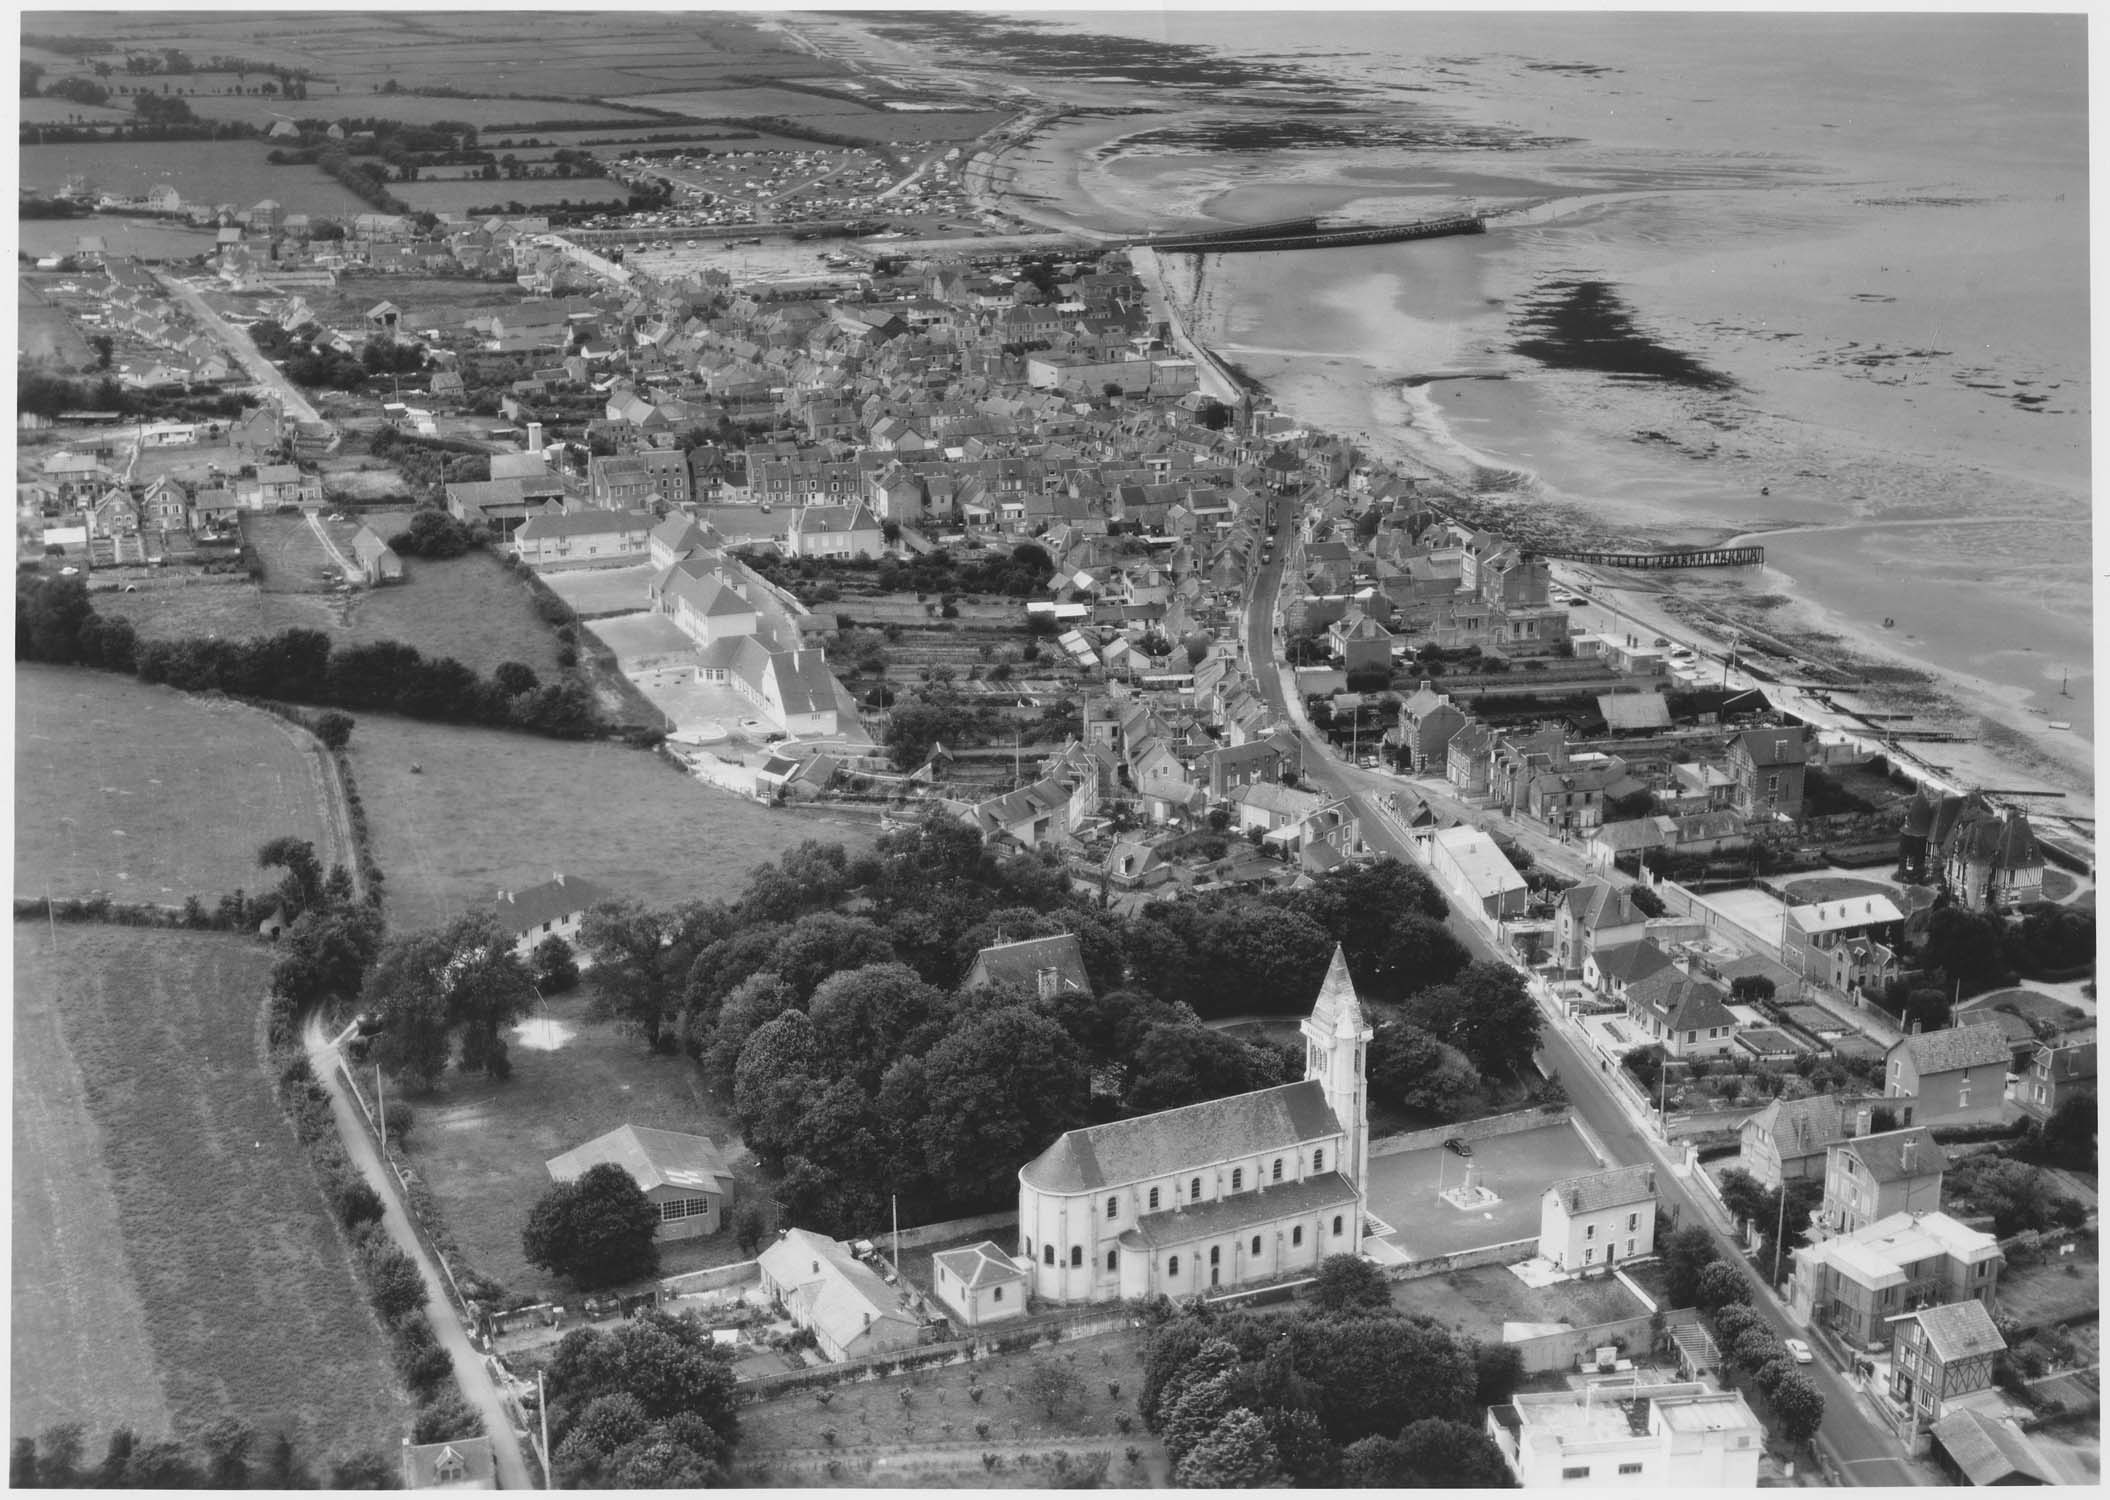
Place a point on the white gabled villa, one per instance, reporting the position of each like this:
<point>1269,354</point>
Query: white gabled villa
<point>1213,1195</point>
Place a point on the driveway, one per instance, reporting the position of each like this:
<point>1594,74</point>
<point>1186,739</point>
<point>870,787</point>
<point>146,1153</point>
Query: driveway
<point>470,1372</point>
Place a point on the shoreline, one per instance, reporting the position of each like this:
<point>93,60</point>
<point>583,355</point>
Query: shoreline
<point>1401,418</point>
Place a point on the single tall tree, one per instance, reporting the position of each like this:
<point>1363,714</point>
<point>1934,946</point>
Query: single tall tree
<point>597,1230</point>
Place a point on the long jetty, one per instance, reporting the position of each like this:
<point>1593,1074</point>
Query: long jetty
<point>1245,241</point>
<point>1682,557</point>
<point>1273,229</point>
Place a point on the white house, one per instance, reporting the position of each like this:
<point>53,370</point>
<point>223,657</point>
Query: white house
<point>1600,1219</point>
<point>980,1284</point>
<point>1678,1437</point>
<point>822,1286</point>
<point>1472,867</point>
<point>553,909</point>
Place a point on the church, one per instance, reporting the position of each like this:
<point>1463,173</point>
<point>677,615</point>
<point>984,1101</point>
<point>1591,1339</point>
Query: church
<point>1213,1195</point>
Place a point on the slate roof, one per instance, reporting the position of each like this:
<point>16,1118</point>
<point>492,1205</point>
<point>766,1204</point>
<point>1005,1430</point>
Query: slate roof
<point>829,1289</point>
<point>653,1158</point>
<point>1222,1216</point>
<point>1803,1127</point>
<point>1884,1155</point>
<point>1774,747</point>
<point>980,1265</point>
<point>469,1460</point>
<point>1685,1004</point>
<point>1610,1189</point>
<point>1989,1451</point>
<point>1958,1330</point>
<point>522,912</point>
<point>1634,710</point>
<point>583,523</point>
<point>1631,962</point>
<point>1174,1140</point>
<point>1959,1047</point>
<point>1021,962</point>
<point>1836,916</point>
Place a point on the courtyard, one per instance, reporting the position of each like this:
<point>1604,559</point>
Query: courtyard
<point>1517,1169</point>
<point>602,591</point>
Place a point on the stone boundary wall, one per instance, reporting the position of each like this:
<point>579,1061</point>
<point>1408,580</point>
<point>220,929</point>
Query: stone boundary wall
<point>1509,1253</point>
<point>711,1278</point>
<point>1470,1130</point>
<point>1004,1339</point>
<point>1560,1351</point>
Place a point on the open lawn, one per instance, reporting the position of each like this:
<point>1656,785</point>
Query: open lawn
<point>294,559</point>
<point>602,591</point>
<point>469,608</point>
<point>1481,1300</point>
<point>2057,1287</point>
<point>2031,1005</point>
<point>931,1441</point>
<point>494,810</point>
<point>544,192</point>
<point>151,794</point>
<point>481,1146</point>
<point>1517,1168</point>
<point>45,334</point>
<point>188,1221</point>
<point>206,172</point>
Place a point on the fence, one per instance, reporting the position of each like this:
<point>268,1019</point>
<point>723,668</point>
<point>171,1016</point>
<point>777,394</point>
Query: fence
<point>1471,1130</point>
<point>1560,1351</point>
<point>931,1234</point>
<point>930,1356</point>
<point>403,1194</point>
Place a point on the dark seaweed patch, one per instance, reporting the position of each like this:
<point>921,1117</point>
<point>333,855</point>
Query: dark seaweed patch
<point>1585,325</point>
<point>1037,47</point>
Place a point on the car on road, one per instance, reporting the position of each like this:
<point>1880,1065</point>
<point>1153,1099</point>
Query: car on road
<point>1683,653</point>
<point>1797,1351</point>
<point>1660,641</point>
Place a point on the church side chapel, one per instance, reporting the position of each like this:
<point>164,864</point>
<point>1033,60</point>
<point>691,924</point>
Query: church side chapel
<point>1212,1195</point>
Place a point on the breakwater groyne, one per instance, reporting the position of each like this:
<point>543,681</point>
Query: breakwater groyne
<point>1682,557</point>
<point>1246,241</point>
<point>1274,229</point>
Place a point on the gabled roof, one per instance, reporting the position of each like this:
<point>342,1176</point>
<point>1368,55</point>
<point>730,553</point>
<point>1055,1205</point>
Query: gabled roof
<point>653,1158</point>
<point>1898,1154</point>
<point>1990,1451</point>
<point>521,912</point>
<point>1686,1004</point>
<point>1634,710</point>
<point>1629,963</point>
<point>1174,1140</point>
<point>1803,1127</point>
<point>1958,1330</point>
<point>829,1289</point>
<point>1774,747</point>
<point>1959,1047</point>
<point>1609,1189</point>
<point>582,523</point>
<point>1021,962</point>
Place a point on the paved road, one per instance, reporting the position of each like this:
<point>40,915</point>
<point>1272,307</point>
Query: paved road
<point>470,1371</point>
<point>1860,1448</point>
<point>237,342</point>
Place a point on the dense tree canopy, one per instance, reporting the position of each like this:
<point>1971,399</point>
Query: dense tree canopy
<point>596,1230</point>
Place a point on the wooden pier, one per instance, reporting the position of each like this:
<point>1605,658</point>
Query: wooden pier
<point>1682,557</point>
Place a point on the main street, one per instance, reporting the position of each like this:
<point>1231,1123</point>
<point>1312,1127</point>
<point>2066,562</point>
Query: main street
<point>237,342</point>
<point>1857,1445</point>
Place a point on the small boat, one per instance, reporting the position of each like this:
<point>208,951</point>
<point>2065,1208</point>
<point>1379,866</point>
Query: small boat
<point>2058,724</point>
<point>1889,623</point>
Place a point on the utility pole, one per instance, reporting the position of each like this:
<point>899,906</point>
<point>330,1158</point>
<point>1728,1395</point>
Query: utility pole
<point>1780,1225</point>
<point>896,1247</point>
<point>542,1408</point>
<point>381,1110</point>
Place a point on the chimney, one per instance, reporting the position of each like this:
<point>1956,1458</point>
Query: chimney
<point>534,441</point>
<point>1049,982</point>
<point>1905,1154</point>
<point>1861,1121</point>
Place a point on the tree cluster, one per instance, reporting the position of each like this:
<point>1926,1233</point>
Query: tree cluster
<point>225,1454</point>
<point>646,1404</point>
<point>435,534</point>
<point>1344,1391</point>
<point>55,622</point>
<point>1696,1275</point>
<point>597,1230</point>
<point>446,995</point>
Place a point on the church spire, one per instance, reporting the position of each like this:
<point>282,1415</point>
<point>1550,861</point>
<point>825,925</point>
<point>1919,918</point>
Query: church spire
<point>1337,1008</point>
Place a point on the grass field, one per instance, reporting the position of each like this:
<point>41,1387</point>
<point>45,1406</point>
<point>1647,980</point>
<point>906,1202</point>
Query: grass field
<point>2056,1287</point>
<point>481,1146</point>
<point>460,196</point>
<point>840,116</point>
<point>930,1441</point>
<point>1517,1168</point>
<point>202,171</point>
<point>493,810</point>
<point>469,608</point>
<point>147,793</point>
<point>45,333</point>
<point>294,559</point>
<point>76,1355</point>
<point>225,1269</point>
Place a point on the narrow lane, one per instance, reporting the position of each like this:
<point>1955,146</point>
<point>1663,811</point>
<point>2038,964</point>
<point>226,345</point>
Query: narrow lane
<point>1858,1446</point>
<point>237,342</point>
<point>470,1372</point>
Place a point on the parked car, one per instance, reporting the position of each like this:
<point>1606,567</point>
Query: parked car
<point>1798,1351</point>
<point>1660,641</point>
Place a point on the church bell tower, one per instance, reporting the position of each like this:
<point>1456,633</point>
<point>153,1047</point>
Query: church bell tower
<point>1336,1049</point>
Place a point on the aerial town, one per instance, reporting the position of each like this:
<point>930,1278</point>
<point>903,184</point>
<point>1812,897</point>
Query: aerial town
<point>768,830</point>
